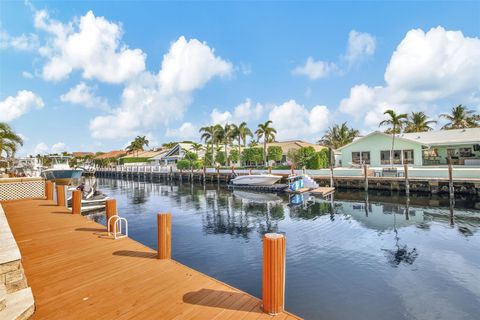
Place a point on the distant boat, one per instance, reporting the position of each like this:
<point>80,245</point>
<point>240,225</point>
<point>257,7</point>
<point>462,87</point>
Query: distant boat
<point>256,180</point>
<point>60,171</point>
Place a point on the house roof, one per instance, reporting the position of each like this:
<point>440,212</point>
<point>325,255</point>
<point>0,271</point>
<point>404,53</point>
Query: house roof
<point>81,154</point>
<point>295,144</point>
<point>445,137</point>
<point>143,154</point>
<point>111,154</point>
<point>433,138</point>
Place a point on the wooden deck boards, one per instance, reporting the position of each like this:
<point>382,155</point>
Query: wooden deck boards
<point>76,272</point>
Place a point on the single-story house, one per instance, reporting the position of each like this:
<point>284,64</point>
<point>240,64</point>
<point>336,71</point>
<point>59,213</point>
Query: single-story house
<point>171,156</point>
<point>460,146</point>
<point>98,159</point>
<point>292,145</point>
<point>140,156</point>
<point>80,154</point>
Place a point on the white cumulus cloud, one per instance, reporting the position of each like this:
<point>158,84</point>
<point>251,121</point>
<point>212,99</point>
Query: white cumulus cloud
<point>187,131</point>
<point>294,121</point>
<point>82,94</point>
<point>245,111</point>
<point>42,148</point>
<point>360,45</point>
<point>15,106</point>
<point>90,44</point>
<point>23,42</point>
<point>157,99</point>
<point>426,69</point>
<point>315,69</point>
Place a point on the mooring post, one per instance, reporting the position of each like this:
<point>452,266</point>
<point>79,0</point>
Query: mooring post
<point>365,174</point>
<point>164,225</point>
<point>233,168</point>
<point>407,183</point>
<point>331,177</point>
<point>61,196</point>
<point>292,168</point>
<point>269,169</point>
<point>110,211</point>
<point>76,202</point>
<point>49,190</point>
<point>450,180</point>
<point>273,291</point>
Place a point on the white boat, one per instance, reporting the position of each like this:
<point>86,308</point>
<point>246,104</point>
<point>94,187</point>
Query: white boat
<point>61,172</point>
<point>256,180</point>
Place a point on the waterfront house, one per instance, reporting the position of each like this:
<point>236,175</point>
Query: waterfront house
<point>108,157</point>
<point>177,152</point>
<point>460,146</point>
<point>141,157</point>
<point>292,145</point>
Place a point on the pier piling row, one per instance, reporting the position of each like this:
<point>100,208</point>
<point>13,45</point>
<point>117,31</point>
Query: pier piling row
<point>365,181</point>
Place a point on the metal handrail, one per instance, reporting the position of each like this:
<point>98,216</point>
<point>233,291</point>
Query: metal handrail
<point>115,231</point>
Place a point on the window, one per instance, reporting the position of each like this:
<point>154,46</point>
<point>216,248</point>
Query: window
<point>465,152</point>
<point>451,152</point>
<point>384,157</point>
<point>397,157</point>
<point>356,157</point>
<point>361,157</point>
<point>408,156</point>
<point>365,155</point>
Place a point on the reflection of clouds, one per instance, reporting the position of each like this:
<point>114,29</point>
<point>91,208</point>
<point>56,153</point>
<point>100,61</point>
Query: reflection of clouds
<point>422,300</point>
<point>460,270</point>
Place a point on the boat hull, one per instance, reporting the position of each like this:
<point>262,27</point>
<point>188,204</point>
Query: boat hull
<point>256,180</point>
<point>62,177</point>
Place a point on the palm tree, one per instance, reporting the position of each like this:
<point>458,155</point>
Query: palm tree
<point>196,147</point>
<point>396,123</point>
<point>418,122</point>
<point>268,134</point>
<point>337,136</point>
<point>461,117</point>
<point>208,135</point>
<point>240,133</point>
<point>225,135</point>
<point>9,140</point>
<point>138,144</point>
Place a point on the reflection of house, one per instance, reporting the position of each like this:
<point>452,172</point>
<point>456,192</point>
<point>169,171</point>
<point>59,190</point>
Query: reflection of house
<point>176,153</point>
<point>462,146</point>
<point>293,145</point>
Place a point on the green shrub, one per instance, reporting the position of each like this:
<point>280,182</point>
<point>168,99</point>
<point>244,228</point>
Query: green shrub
<point>274,153</point>
<point>183,164</point>
<point>220,157</point>
<point>133,160</point>
<point>254,155</point>
<point>324,158</point>
<point>234,155</point>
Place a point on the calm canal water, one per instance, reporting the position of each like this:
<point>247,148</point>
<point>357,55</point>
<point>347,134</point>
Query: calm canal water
<point>360,257</point>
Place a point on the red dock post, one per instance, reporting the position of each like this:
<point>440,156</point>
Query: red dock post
<point>61,196</point>
<point>110,211</point>
<point>273,291</point>
<point>49,190</point>
<point>164,222</point>
<point>76,202</point>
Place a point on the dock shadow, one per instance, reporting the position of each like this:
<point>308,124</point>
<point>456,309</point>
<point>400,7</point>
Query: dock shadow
<point>62,212</point>
<point>135,254</point>
<point>91,229</point>
<point>223,299</point>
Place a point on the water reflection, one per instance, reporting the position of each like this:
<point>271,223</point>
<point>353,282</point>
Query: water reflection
<point>349,256</point>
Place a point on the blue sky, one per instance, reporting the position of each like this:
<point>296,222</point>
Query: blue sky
<point>88,76</point>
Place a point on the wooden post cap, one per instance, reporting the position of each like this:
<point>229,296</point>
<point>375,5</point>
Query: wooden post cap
<point>110,211</point>
<point>49,190</point>
<point>164,225</point>
<point>61,196</point>
<point>273,290</point>
<point>76,202</point>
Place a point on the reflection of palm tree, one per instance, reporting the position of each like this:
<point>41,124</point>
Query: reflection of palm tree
<point>401,253</point>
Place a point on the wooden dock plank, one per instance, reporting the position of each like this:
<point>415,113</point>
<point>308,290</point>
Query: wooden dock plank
<point>76,272</point>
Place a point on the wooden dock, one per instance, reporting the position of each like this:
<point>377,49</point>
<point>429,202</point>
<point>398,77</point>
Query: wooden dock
<point>322,191</point>
<point>77,272</point>
<point>299,191</point>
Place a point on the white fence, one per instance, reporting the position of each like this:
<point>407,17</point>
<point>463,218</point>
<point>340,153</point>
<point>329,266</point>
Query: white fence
<point>21,188</point>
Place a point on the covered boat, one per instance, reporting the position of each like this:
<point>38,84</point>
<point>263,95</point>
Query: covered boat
<point>256,180</point>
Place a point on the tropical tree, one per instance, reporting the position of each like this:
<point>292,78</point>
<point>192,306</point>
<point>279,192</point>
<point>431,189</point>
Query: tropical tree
<point>268,133</point>
<point>241,132</point>
<point>395,122</point>
<point>225,135</point>
<point>138,144</point>
<point>208,135</point>
<point>196,147</point>
<point>461,117</point>
<point>418,122</point>
<point>336,137</point>
<point>9,140</point>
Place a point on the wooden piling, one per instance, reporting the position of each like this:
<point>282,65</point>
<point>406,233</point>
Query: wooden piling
<point>365,175</point>
<point>292,168</point>
<point>407,183</point>
<point>76,202</point>
<point>273,292</point>
<point>164,223</point>
<point>269,169</point>
<point>450,180</point>
<point>61,196</point>
<point>110,211</point>
<point>49,190</point>
<point>332,182</point>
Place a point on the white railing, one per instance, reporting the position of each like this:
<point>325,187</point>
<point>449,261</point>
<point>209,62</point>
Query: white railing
<point>119,230</point>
